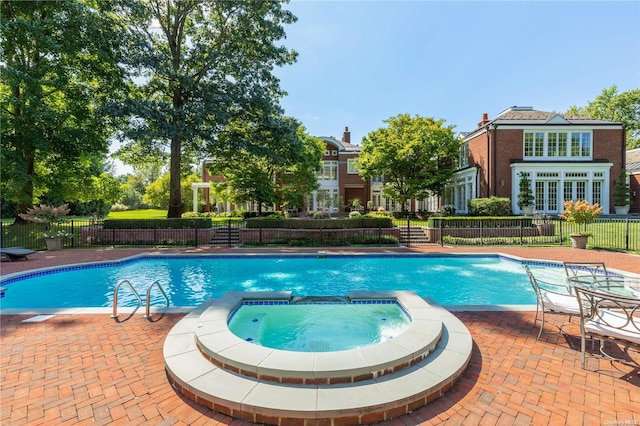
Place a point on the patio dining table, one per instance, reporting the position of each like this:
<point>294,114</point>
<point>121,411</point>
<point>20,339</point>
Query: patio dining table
<point>618,285</point>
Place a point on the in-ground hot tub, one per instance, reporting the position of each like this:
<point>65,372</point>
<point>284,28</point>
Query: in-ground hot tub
<point>209,364</point>
<point>318,324</point>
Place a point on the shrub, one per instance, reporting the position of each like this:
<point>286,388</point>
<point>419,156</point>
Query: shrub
<point>46,214</point>
<point>581,212</point>
<point>119,207</point>
<point>354,214</point>
<point>282,223</point>
<point>474,222</point>
<point>492,206</point>
<point>322,215</point>
<point>621,190</point>
<point>173,223</point>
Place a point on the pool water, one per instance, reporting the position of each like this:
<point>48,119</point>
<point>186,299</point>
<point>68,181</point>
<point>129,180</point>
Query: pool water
<point>190,280</point>
<point>318,327</point>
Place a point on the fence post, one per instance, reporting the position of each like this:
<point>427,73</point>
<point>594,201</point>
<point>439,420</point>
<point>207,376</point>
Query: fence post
<point>560,233</point>
<point>481,240</point>
<point>380,235</point>
<point>196,222</point>
<point>626,233</point>
<point>229,233</point>
<point>73,235</point>
<point>521,232</point>
<point>408,231</point>
<point>441,236</point>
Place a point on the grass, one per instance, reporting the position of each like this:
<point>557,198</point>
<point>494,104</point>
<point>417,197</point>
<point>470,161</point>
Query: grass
<point>138,214</point>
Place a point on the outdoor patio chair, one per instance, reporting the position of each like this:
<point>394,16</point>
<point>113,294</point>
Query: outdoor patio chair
<point>591,274</point>
<point>608,317</point>
<point>552,298</point>
<point>15,253</point>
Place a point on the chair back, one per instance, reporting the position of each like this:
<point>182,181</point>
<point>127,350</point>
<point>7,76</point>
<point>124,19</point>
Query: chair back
<point>595,305</point>
<point>591,269</point>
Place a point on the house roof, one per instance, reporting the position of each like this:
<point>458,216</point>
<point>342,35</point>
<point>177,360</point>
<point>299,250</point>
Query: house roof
<point>527,116</point>
<point>341,145</point>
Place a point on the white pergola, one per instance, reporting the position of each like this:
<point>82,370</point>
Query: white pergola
<point>195,186</point>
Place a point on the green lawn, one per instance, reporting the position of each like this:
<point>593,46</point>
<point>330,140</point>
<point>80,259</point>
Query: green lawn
<point>138,214</point>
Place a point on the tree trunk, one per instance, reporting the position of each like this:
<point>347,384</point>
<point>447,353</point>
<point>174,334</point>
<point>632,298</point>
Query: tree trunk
<point>175,192</point>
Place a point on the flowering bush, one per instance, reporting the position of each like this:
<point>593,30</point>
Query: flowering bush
<point>47,214</point>
<point>580,212</point>
<point>56,234</point>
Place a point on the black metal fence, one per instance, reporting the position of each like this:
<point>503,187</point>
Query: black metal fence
<point>606,233</point>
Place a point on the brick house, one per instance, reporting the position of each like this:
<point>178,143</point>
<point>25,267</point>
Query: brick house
<point>633,171</point>
<point>566,158</point>
<point>338,177</point>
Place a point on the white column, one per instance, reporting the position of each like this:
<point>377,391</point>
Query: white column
<point>195,199</point>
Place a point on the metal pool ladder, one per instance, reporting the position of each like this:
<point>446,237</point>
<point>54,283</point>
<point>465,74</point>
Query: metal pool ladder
<point>115,296</point>
<point>157,284</point>
<point>133,291</point>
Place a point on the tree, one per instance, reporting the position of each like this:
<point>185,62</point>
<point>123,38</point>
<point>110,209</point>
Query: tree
<point>60,65</point>
<point>157,193</point>
<point>298,181</point>
<point>280,168</point>
<point>204,64</point>
<point>415,156</point>
<point>620,107</point>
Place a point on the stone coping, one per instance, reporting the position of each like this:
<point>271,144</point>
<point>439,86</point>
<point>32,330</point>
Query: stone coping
<point>228,351</point>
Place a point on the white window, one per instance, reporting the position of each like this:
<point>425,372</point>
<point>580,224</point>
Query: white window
<point>328,171</point>
<point>352,169</point>
<point>463,156</point>
<point>556,144</point>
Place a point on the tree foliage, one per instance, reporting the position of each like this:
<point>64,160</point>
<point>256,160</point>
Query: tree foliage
<point>203,64</point>
<point>414,154</point>
<point>60,65</point>
<point>280,167</point>
<point>615,106</point>
<point>157,192</point>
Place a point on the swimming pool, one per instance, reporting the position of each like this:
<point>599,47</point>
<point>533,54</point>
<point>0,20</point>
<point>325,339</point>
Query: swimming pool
<point>189,280</point>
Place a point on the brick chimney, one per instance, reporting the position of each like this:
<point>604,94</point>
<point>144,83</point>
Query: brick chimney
<point>346,137</point>
<point>485,120</point>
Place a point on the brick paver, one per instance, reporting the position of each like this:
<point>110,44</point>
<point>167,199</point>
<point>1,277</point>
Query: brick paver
<point>89,369</point>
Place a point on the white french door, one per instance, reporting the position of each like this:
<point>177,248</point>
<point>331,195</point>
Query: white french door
<point>546,196</point>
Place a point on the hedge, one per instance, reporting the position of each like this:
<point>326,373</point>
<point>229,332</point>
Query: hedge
<point>174,223</point>
<point>474,222</point>
<point>360,222</point>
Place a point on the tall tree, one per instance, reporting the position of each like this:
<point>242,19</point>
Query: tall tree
<point>615,106</point>
<point>280,166</point>
<point>203,63</point>
<point>60,65</point>
<point>415,156</point>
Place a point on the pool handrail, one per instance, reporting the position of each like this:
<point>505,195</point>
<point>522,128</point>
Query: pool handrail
<point>115,296</point>
<point>148,298</point>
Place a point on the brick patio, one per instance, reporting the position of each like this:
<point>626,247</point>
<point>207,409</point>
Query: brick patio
<point>89,369</point>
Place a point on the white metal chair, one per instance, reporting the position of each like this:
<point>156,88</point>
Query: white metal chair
<point>606,316</point>
<point>552,298</point>
<point>591,275</point>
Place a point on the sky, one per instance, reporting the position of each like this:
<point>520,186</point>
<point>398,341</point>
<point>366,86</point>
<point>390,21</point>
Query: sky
<point>362,62</point>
